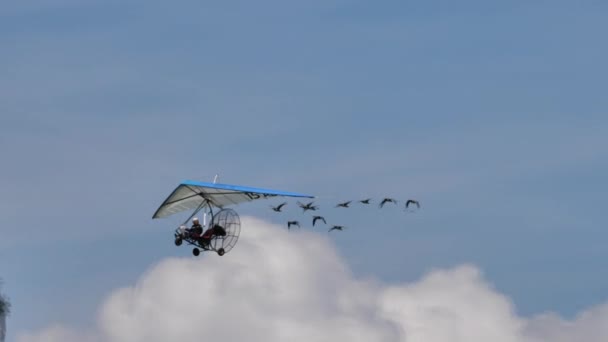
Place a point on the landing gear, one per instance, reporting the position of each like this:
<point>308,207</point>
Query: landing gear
<point>178,241</point>
<point>196,251</point>
<point>221,251</point>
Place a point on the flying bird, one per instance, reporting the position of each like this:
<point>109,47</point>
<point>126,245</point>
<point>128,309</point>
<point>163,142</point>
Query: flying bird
<point>336,228</point>
<point>292,223</point>
<point>308,206</point>
<point>386,200</point>
<point>365,201</point>
<point>343,205</point>
<point>411,201</point>
<point>278,208</point>
<point>315,218</point>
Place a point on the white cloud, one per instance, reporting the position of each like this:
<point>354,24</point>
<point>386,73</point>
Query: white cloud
<point>589,326</point>
<point>292,286</point>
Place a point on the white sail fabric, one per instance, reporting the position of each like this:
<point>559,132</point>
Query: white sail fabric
<point>189,195</point>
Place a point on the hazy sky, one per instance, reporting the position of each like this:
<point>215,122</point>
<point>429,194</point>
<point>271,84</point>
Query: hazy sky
<point>493,116</point>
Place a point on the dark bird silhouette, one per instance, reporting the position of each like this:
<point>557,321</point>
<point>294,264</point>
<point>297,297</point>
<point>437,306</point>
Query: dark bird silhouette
<point>292,223</point>
<point>411,201</point>
<point>386,200</point>
<point>315,218</point>
<point>343,205</point>
<point>336,228</point>
<point>278,208</point>
<point>308,206</point>
<point>365,201</point>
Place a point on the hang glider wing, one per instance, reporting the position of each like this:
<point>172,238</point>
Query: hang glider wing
<point>189,195</point>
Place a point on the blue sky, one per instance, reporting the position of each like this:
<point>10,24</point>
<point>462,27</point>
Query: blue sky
<point>492,115</point>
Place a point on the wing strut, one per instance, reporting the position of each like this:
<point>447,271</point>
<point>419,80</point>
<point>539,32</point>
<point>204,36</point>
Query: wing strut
<point>200,206</point>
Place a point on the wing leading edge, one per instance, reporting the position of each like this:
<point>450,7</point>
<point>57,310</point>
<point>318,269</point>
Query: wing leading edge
<point>190,194</point>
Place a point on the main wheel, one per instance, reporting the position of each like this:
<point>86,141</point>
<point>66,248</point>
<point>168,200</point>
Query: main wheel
<point>196,251</point>
<point>229,220</point>
<point>178,241</point>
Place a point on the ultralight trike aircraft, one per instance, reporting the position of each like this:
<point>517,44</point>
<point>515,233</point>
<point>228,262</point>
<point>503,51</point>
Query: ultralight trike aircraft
<point>224,228</point>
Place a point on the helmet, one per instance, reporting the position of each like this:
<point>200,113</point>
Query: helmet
<point>195,219</point>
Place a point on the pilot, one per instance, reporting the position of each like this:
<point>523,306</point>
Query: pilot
<point>196,229</point>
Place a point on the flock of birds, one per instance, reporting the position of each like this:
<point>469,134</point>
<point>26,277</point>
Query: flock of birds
<point>310,206</point>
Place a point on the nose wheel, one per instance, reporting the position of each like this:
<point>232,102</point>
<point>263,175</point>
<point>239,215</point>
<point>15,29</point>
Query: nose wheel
<point>196,251</point>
